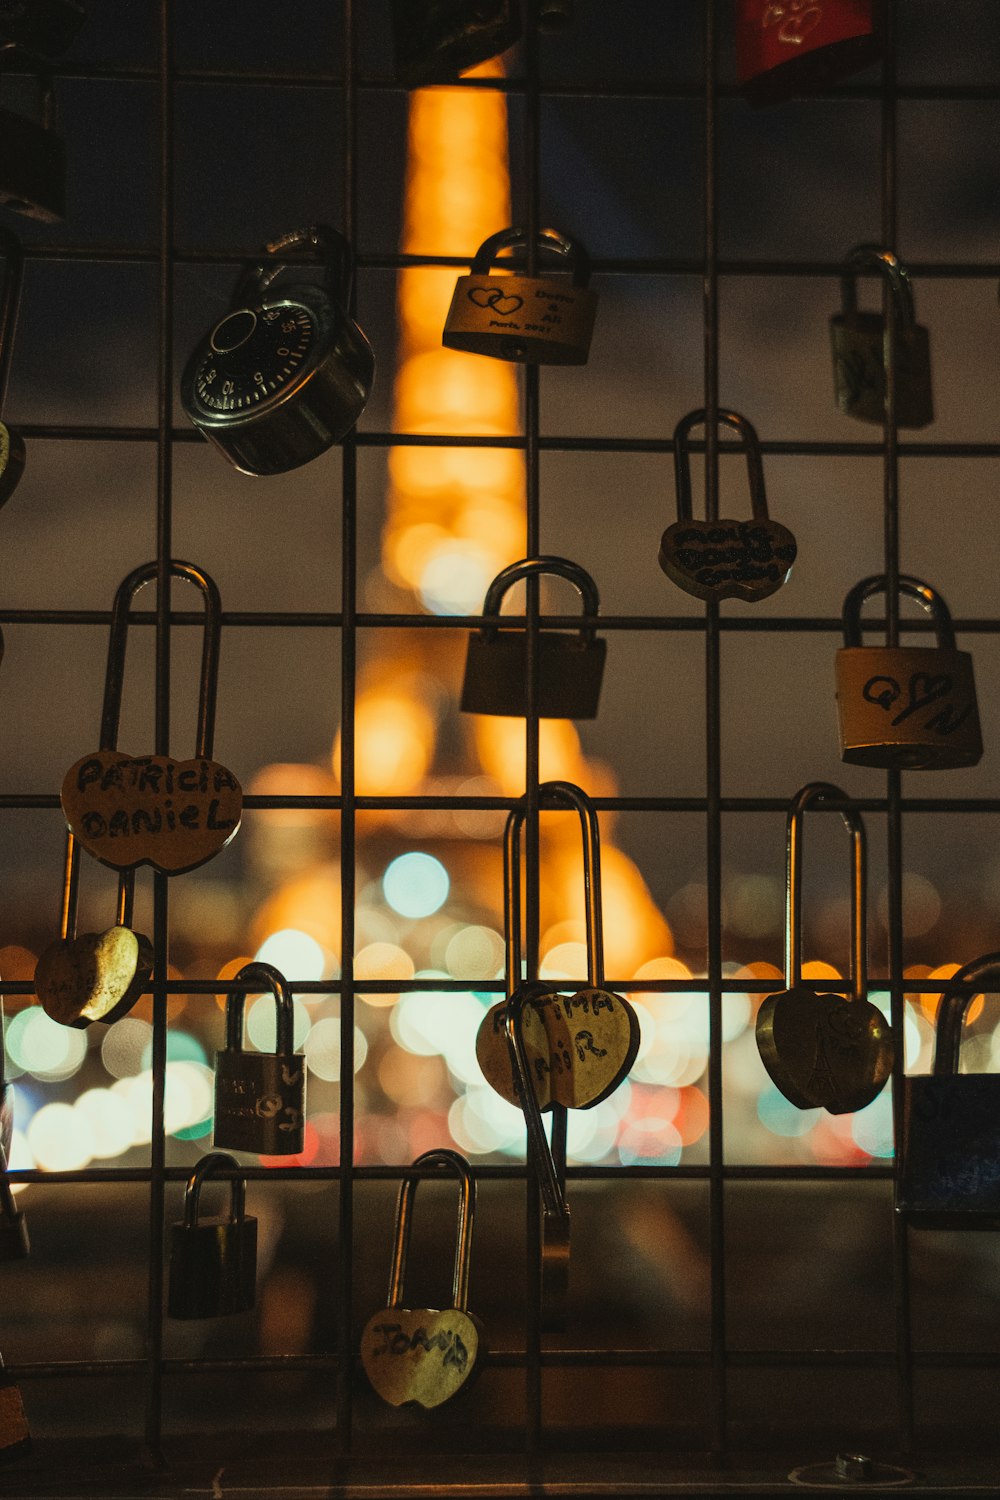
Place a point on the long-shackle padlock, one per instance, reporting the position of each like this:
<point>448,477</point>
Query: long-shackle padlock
<point>129,810</point>
<point>260,1097</point>
<point>825,1051</point>
<point>14,1242</point>
<point>570,667</point>
<point>43,26</point>
<point>539,320</point>
<point>950,1171</point>
<point>725,559</point>
<point>32,153</point>
<point>213,1262</point>
<point>579,1046</point>
<point>861,347</point>
<point>97,976</point>
<point>423,1355</point>
<point>912,707</point>
<point>12,452</point>
<point>285,374</point>
<point>786,48</point>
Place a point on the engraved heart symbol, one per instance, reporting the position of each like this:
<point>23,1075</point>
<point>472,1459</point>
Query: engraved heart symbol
<point>824,1052</point>
<point>493,296</point>
<point>420,1355</point>
<point>728,559</point>
<point>149,809</point>
<point>579,1047</point>
<point>96,977</point>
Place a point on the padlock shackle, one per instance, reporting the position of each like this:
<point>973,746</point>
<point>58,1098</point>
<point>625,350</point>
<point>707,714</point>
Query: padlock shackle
<point>13,269</point>
<point>749,443</point>
<point>557,793</point>
<point>114,676</point>
<point>809,796</point>
<point>192,1191</point>
<point>272,979</point>
<point>537,567</point>
<point>954,1004</point>
<point>874,258</point>
<point>71,892</point>
<point>333,250</point>
<point>549,1180</point>
<point>448,1161</point>
<point>547,239</point>
<point>40,68</point>
<point>914,588</point>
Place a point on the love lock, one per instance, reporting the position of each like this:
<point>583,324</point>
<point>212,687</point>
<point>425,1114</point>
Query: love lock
<point>260,1097</point>
<point>422,1355</point>
<point>913,707</point>
<point>213,1262</point>
<point>861,347</point>
<point>131,810</point>
<point>32,153</point>
<point>825,1051</point>
<point>725,559</point>
<point>790,47</point>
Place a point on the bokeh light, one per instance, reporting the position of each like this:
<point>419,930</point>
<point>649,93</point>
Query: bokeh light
<point>416,884</point>
<point>294,954</point>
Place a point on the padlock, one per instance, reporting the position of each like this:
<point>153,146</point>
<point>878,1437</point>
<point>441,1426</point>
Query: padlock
<point>422,1355</point>
<point>32,154</point>
<point>285,374</point>
<point>912,707</point>
<point>950,1172</point>
<point>43,26</point>
<point>12,453</point>
<point>98,976</point>
<point>213,1262</point>
<point>825,1051</point>
<point>570,667</point>
<point>436,40</point>
<point>535,320</point>
<point>786,48</point>
<point>15,1435</point>
<point>260,1097</point>
<point>860,347</point>
<point>725,559</point>
<point>129,810</point>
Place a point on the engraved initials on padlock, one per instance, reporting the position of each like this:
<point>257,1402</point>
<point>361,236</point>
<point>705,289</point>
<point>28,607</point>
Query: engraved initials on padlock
<point>260,1097</point>
<point>860,347</point>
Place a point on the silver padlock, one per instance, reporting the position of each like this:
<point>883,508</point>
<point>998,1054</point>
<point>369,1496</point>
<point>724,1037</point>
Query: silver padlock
<point>860,355</point>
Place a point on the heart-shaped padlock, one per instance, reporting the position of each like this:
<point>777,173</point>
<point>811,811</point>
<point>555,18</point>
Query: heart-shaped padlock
<point>825,1051</point>
<point>422,1355</point>
<point>12,451</point>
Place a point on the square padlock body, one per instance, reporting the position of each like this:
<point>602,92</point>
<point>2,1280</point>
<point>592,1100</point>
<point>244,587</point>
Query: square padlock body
<point>940,735</point>
<point>569,675</point>
<point>436,40</point>
<point>950,1174</point>
<point>535,320</point>
<point>213,1268</point>
<point>259,1102</point>
<point>857,340</point>
<point>32,168</point>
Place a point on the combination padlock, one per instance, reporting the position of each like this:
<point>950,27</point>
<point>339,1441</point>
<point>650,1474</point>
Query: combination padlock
<point>15,1435</point>
<point>260,1097</point>
<point>12,452</point>
<point>213,1262</point>
<point>422,1355</point>
<point>570,667</point>
<point>860,347</point>
<point>725,559</point>
<point>825,1051</point>
<point>436,40</point>
<point>950,1173</point>
<point>536,320</point>
<point>43,26</point>
<point>285,374</point>
<point>912,707</point>
<point>32,153</point>
<point>789,47</point>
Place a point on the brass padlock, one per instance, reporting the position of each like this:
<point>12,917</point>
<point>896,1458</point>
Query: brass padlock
<point>285,374</point>
<point>423,1355</point>
<point>860,347</point>
<point>570,667</point>
<point>260,1097</point>
<point>32,154</point>
<point>213,1262</point>
<point>950,1172</point>
<point>15,1436</point>
<point>536,320</point>
<point>825,1051</point>
<point>12,452</point>
<point>43,26</point>
<point>913,707</point>
<point>725,559</point>
<point>436,40</point>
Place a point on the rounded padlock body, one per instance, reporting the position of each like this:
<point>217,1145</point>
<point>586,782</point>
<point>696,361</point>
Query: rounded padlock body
<point>213,1268</point>
<point>570,670</point>
<point>528,319</point>
<point>950,1174</point>
<point>909,707</point>
<point>858,342</point>
<point>277,383</point>
<point>260,1102</point>
<point>436,40</point>
<point>798,46</point>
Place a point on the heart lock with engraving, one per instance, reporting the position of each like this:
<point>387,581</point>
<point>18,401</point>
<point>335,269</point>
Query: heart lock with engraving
<point>32,152</point>
<point>213,1261</point>
<point>535,320</point>
<point>260,1097</point>
<point>909,707</point>
<point>93,976</point>
<point>950,1171</point>
<point>47,27</point>
<point>425,1356</point>
<point>786,48</point>
<point>825,1051</point>
<point>129,810</point>
<point>881,367</point>
<point>436,40</point>
<point>14,1242</point>
<point>723,559</point>
<point>12,451</point>
<point>569,667</point>
<point>287,372</point>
